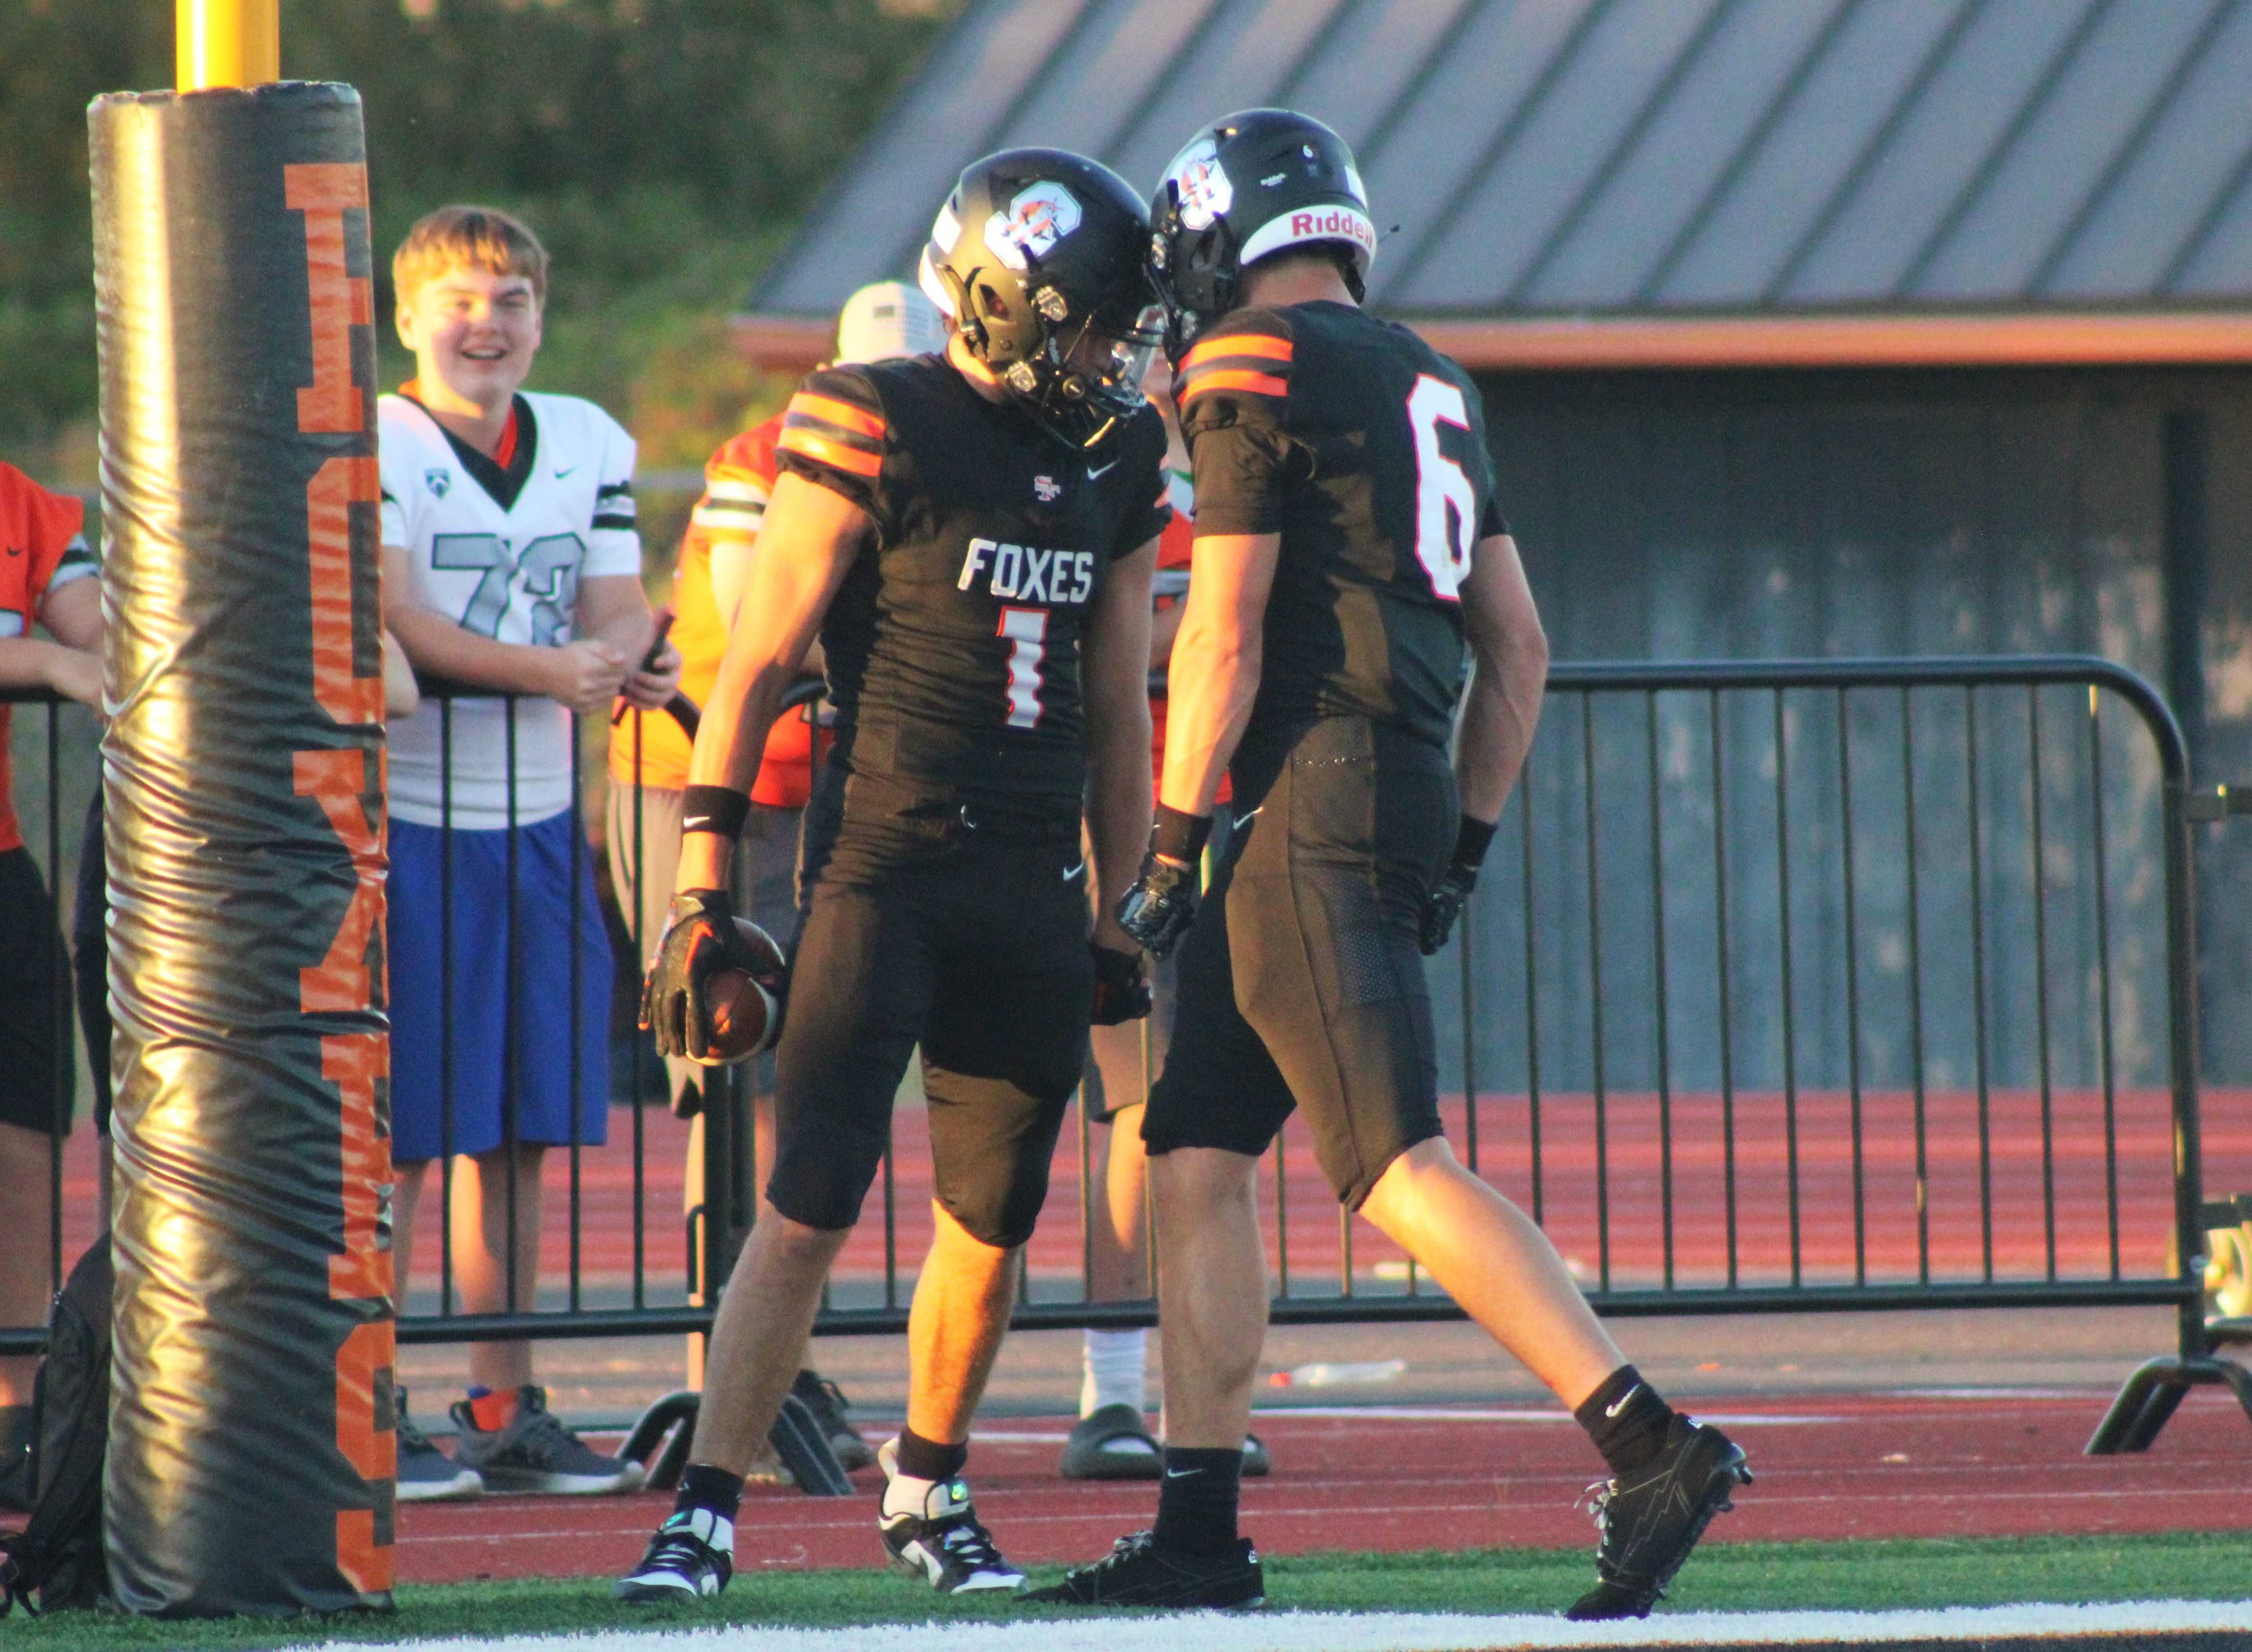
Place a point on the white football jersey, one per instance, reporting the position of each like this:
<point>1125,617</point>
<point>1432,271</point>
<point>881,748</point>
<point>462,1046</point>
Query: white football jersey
<point>509,571</point>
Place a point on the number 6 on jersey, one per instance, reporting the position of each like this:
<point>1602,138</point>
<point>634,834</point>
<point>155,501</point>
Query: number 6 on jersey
<point>1442,547</point>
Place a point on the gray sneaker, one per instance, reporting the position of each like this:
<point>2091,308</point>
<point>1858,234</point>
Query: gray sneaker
<point>536,1453</point>
<point>425,1474</point>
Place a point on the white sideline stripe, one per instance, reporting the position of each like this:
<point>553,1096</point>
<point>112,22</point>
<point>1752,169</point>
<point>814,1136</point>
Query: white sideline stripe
<point>1410,1632</point>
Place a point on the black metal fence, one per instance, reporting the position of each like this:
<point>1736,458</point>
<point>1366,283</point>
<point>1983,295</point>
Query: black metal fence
<point>1801,985</point>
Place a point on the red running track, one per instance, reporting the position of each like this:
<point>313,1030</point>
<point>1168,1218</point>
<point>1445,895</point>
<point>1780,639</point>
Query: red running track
<point>1730,1166</point>
<point>1828,1467</point>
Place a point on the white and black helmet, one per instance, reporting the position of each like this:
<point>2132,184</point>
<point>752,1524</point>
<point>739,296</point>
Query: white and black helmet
<point>1039,258</point>
<point>1245,187</point>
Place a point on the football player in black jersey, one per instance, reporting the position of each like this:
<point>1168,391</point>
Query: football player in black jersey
<point>972,536</point>
<point>1350,566</point>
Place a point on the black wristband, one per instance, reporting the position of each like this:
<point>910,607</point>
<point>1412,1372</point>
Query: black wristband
<point>1473,838</point>
<point>1176,836</point>
<point>718,810</point>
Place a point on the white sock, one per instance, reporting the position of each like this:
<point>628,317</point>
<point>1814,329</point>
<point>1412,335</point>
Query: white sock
<point>1113,1361</point>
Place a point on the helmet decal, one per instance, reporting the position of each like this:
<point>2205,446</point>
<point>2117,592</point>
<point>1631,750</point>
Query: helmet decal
<point>945,233</point>
<point>1041,215</point>
<point>1205,190</point>
<point>1312,224</point>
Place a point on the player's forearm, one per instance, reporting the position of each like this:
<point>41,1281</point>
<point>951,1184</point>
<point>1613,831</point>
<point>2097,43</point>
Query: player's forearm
<point>437,646</point>
<point>1213,682</point>
<point>730,741</point>
<point>1499,719</point>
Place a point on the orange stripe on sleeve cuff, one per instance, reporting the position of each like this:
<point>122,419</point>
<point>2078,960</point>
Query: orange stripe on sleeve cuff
<point>831,453</point>
<point>1237,344</point>
<point>843,414</point>
<point>1263,383</point>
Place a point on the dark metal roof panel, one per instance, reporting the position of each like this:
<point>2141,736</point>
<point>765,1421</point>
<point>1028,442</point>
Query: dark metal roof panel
<point>1086,96</point>
<point>1243,58</point>
<point>1490,66</point>
<point>1371,61</point>
<point>1677,161</point>
<point>1835,120</point>
<point>2131,240</point>
<point>1556,145</point>
<point>2060,161</point>
<point>887,196</point>
<point>2219,263</point>
<point>1939,154</point>
<point>1638,157</point>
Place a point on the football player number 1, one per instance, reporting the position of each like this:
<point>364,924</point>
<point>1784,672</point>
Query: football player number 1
<point>1027,631</point>
<point>1446,504</point>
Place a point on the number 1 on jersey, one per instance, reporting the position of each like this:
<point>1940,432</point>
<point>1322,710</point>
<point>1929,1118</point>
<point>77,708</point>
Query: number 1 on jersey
<point>1027,631</point>
<point>1442,490</point>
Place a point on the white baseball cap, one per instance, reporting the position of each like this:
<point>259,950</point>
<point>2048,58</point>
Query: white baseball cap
<point>887,319</point>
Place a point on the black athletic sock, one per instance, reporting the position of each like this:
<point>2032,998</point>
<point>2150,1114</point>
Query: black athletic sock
<point>930,1459</point>
<point>1196,1500</point>
<point>1626,1420</point>
<point>704,1487</point>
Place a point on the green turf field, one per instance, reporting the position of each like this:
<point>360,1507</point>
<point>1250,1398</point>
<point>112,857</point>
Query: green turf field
<point>1924,1572</point>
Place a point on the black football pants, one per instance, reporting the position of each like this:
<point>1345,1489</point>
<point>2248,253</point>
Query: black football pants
<point>1302,980</point>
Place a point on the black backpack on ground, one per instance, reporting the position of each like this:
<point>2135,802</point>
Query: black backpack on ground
<point>58,1556</point>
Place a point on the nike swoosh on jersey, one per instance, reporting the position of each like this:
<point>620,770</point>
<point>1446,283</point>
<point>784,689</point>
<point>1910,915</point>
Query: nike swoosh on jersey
<point>1613,1410</point>
<point>563,470</point>
<point>1092,472</point>
<point>1071,872</point>
<point>1181,1474</point>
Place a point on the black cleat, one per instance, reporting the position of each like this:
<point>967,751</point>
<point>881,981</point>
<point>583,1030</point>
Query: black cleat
<point>831,1413</point>
<point>691,1557</point>
<point>1137,1572</point>
<point>945,1545</point>
<point>1649,1519</point>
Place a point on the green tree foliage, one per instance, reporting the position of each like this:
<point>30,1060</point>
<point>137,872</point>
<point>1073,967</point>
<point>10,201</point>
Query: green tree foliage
<point>660,147</point>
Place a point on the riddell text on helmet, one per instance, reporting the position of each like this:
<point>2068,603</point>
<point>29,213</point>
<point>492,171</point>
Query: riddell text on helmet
<point>1333,222</point>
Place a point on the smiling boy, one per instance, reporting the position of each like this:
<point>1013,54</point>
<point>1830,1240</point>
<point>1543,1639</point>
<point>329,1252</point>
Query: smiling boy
<point>511,567</point>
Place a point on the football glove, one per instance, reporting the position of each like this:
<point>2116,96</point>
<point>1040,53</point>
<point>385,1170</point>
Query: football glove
<point>1156,912</point>
<point>1444,905</point>
<point>1121,986</point>
<point>699,939</point>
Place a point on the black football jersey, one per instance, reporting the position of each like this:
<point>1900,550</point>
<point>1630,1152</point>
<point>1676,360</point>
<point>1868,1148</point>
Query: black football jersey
<point>952,645</point>
<point>1366,449</point>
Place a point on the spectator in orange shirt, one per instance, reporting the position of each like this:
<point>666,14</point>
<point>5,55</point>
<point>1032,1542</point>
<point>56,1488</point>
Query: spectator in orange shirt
<point>878,322</point>
<point>45,569</point>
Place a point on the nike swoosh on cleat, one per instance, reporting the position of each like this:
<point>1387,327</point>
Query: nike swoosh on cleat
<point>1614,1409</point>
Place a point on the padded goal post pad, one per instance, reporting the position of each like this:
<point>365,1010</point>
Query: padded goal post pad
<point>250,1468</point>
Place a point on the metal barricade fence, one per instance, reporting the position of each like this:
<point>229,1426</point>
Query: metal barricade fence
<point>1799,985</point>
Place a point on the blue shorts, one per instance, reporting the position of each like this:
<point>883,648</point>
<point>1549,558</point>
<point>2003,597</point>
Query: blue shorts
<point>485,1039</point>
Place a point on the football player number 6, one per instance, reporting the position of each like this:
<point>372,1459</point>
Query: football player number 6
<point>1442,490</point>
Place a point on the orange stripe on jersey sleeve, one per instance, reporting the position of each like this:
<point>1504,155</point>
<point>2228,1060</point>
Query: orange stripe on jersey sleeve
<point>843,414</point>
<point>1262,383</point>
<point>1264,344</point>
<point>831,453</point>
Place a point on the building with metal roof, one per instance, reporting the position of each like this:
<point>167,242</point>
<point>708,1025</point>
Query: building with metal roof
<point>1804,328</point>
<point>1660,182</point>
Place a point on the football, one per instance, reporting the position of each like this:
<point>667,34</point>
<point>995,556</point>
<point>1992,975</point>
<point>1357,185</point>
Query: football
<point>744,1008</point>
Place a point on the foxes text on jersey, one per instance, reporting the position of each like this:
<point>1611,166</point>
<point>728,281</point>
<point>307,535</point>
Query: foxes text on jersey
<point>952,645</point>
<point>501,551</point>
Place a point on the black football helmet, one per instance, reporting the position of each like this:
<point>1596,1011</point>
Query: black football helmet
<point>1246,186</point>
<point>1040,259</point>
